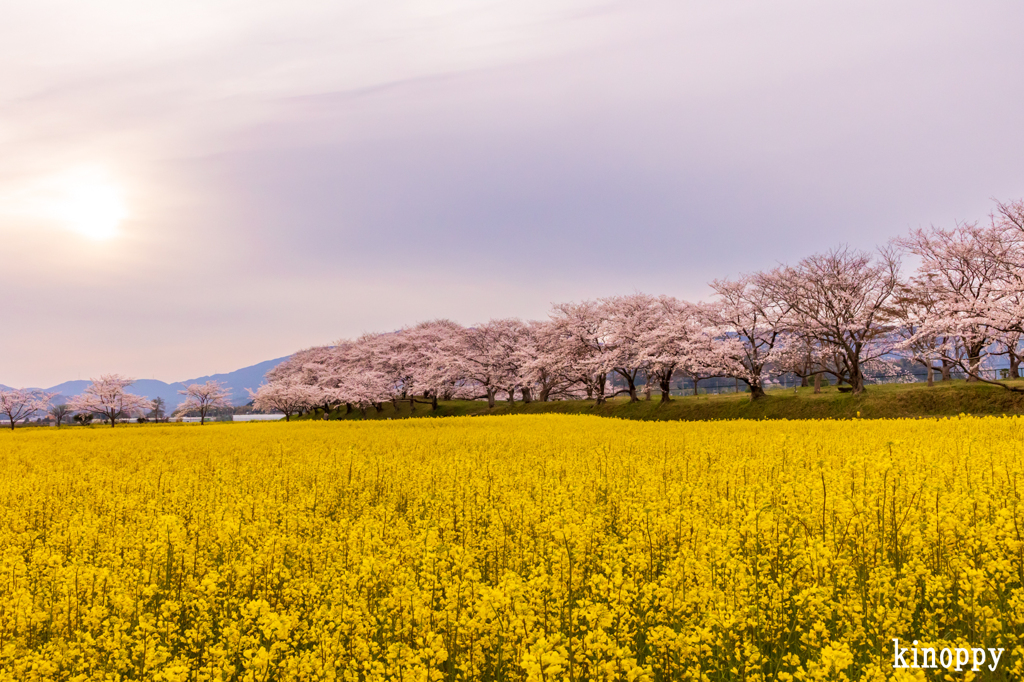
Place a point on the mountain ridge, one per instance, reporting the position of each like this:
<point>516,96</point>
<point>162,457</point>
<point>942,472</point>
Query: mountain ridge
<point>237,381</point>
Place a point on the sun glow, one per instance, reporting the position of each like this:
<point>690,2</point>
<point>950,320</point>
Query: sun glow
<point>88,202</point>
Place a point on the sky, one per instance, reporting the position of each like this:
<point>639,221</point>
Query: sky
<point>192,187</point>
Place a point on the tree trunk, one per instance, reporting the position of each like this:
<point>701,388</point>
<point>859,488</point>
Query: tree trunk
<point>348,408</point>
<point>412,405</point>
<point>696,384</point>
<point>804,383</point>
<point>1014,366</point>
<point>433,401</point>
<point>817,382</point>
<point>490,397</point>
<point>527,394</point>
<point>512,396</point>
<point>599,388</point>
<point>630,383</point>
<point>756,390</point>
<point>647,388</point>
<point>945,370</point>
<point>857,381</point>
<point>665,385</point>
<point>931,374</point>
<point>974,362</point>
<point>545,392</point>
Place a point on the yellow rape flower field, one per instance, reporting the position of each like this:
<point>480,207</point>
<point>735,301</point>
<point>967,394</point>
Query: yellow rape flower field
<point>509,548</point>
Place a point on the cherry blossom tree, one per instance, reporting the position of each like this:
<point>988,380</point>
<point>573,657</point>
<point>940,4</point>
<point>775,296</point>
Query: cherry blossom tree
<point>545,364</point>
<point>305,366</point>
<point>683,338</point>
<point>485,360</point>
<point>1009,216</point>
<point>915,310</point>
<point>384,356</point>
<point>581,332</point>
<point>707,350</point>
<point>757,319</point>
<point>804,357</point>
<point>626,321</point>
<point>431,364</point>
<point>315,367</point>
<point>18,404</point>
<point>285,396</point>
<point>839,299</point>
<point>665,342</point>
<point>364,388</point>
<point>964,271</point>
<point>974,276</point>
<point>107,397</point>
<point>1009,221</point>
<point>202,398</point>
<point>511,335</point>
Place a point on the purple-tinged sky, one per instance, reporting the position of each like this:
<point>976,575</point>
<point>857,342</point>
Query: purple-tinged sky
<point>187,188</point>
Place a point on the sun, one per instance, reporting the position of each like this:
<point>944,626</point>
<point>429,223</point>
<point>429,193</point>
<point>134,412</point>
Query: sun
<point>87,201</point>
<point>90,204</point>
<point>93,211</point>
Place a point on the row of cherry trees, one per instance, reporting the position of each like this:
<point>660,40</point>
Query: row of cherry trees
<point>843,313</point>
<point>108,398</point>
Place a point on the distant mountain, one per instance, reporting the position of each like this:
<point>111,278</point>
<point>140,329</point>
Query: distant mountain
<point>237,382</point>
<point>150,388</point>
<point>240,379</point>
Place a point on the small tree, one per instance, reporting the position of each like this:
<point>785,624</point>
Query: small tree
<point>202,398</point>
<point>19,404</point>
<point>106,397</point>
<point>158,411</point>
<point>60,413</point>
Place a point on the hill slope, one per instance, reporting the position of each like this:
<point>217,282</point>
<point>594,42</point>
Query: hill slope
<point>237,381</point>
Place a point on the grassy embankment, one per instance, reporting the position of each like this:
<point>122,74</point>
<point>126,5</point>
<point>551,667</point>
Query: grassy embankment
<point>890,400</point>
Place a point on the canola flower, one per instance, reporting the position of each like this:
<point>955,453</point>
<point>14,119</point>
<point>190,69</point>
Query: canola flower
<point>509,548</point>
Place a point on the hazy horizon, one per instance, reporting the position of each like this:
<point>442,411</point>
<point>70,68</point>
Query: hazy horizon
<point>194,188</point>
